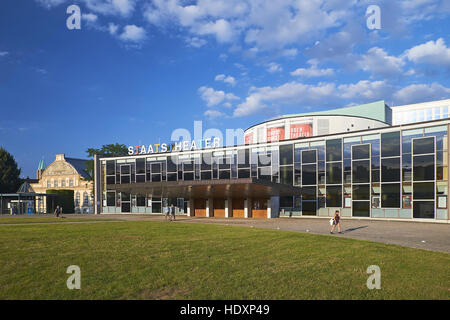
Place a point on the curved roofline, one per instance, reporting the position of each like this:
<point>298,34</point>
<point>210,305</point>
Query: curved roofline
<point>316,115</point>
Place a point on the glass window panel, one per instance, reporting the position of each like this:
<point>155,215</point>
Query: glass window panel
<point>244,158</point>
<point>264,160</point>
<point>334,150</point>
<point>361,152</point>
<point>206,175</point>
<point>171,177</point>
<point>110,167</point>
<point>286,154</point>
<point>361,171</point>
<point>140,166</point>
<point>110,199</point>
<point>423,145</point>
<point>375,162</point>
<point>309,174</point>
<point>156,167</point>
<point>390,144</point>
<point>423,209</point>
<point>224,174</point>
<point>309,156</point>
<point>375,175</point>
<point>286,175</point>
<point>110,180</point>
<point>308,208</point>
<point>334,173</point>
<point>140,178</point>
<point>125,169</point>
<point>244,173</point>
<point>423,168</point>
<point>347,164</point>
<point>309,193</point>
<point>406,174</point>
<point>390,195</point>
<point>334,196</point>
<point>375,149</point>
<point>264,173</point>
<point>361,208</point>
<point>188,176</point>
<point>361,192</point>
<point>390,170</point>
<point>125,179</point>
<point>423,190</point>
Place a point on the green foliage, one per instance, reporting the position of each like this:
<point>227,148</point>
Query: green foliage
<point>9,172</point>
<point>112,150</point>
<point>64,200</point>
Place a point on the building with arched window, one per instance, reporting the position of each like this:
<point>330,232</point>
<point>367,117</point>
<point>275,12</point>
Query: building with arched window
<point>67,174</point>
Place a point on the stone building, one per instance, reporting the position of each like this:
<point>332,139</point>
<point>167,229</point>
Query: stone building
<point>69,174</point>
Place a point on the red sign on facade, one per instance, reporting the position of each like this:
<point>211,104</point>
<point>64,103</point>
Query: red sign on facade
<point>301,130</point>
<point>275,134</point>
<point>249,138</point>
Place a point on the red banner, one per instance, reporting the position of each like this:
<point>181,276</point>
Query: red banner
<point>275,134</point>
<point>301,130</point>
<point>249,138</point>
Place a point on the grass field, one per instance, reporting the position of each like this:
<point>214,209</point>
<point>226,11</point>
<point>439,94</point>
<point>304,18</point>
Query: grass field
<point>21,220</point>
<point>163,260</point>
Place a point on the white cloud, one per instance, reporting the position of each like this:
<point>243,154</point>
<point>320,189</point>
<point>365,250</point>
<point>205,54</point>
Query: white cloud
<point>133,33</point>
<point>379,63</point>
<point>366,90</point>
<point>421,92</point>
<point>227,79</point>
<point>274,67</point>
<point>195,42</point>
<point>288,93</point>
<point>221,29</point>
<point>50,3</point>
<point>3,53</point>
<point>214,97</point>
<point>112,28</point>
<point>89,17</point>
<point>312,71</point>
<point>289,52</point>
<point>213,114</point>
<point>111,7</point>
<point>432,52</point>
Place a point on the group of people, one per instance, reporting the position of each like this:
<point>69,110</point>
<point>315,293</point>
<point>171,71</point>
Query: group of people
<point>170,212</point>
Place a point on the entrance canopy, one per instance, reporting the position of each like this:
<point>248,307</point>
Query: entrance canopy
<point>224,188</point>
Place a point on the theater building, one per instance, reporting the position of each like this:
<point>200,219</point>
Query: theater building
<point>369,161</point>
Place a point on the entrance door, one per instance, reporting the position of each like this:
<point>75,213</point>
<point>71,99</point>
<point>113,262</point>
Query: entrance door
<point>219,208</point>
<point>125,202</point>
<point>200,207</point>
<point>238,208</point>
<point>259,208</point>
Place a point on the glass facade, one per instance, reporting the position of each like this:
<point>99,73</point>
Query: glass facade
<point>392,172</point>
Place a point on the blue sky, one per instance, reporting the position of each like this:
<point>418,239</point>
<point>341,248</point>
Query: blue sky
<point>138,69</point>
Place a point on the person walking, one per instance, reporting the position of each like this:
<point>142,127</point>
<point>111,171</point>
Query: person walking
<point>166,212</point>
<point>172,212</point>
<point>336,221</point>
<point>57,211</point>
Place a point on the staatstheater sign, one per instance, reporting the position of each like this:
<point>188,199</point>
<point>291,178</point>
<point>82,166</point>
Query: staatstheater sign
<point>176,146</point>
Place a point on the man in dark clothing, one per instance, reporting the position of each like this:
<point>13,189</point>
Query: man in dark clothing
<point>57,211</point>
<point>172,212</point>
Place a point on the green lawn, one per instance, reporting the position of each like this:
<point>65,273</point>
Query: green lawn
<point>21,220</point>
<point>163,260</point>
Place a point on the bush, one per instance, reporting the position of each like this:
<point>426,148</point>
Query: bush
<point>64,199</point>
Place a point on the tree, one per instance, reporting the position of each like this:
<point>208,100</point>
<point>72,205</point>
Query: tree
<point>9,172</point>
<point>112,150</point>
